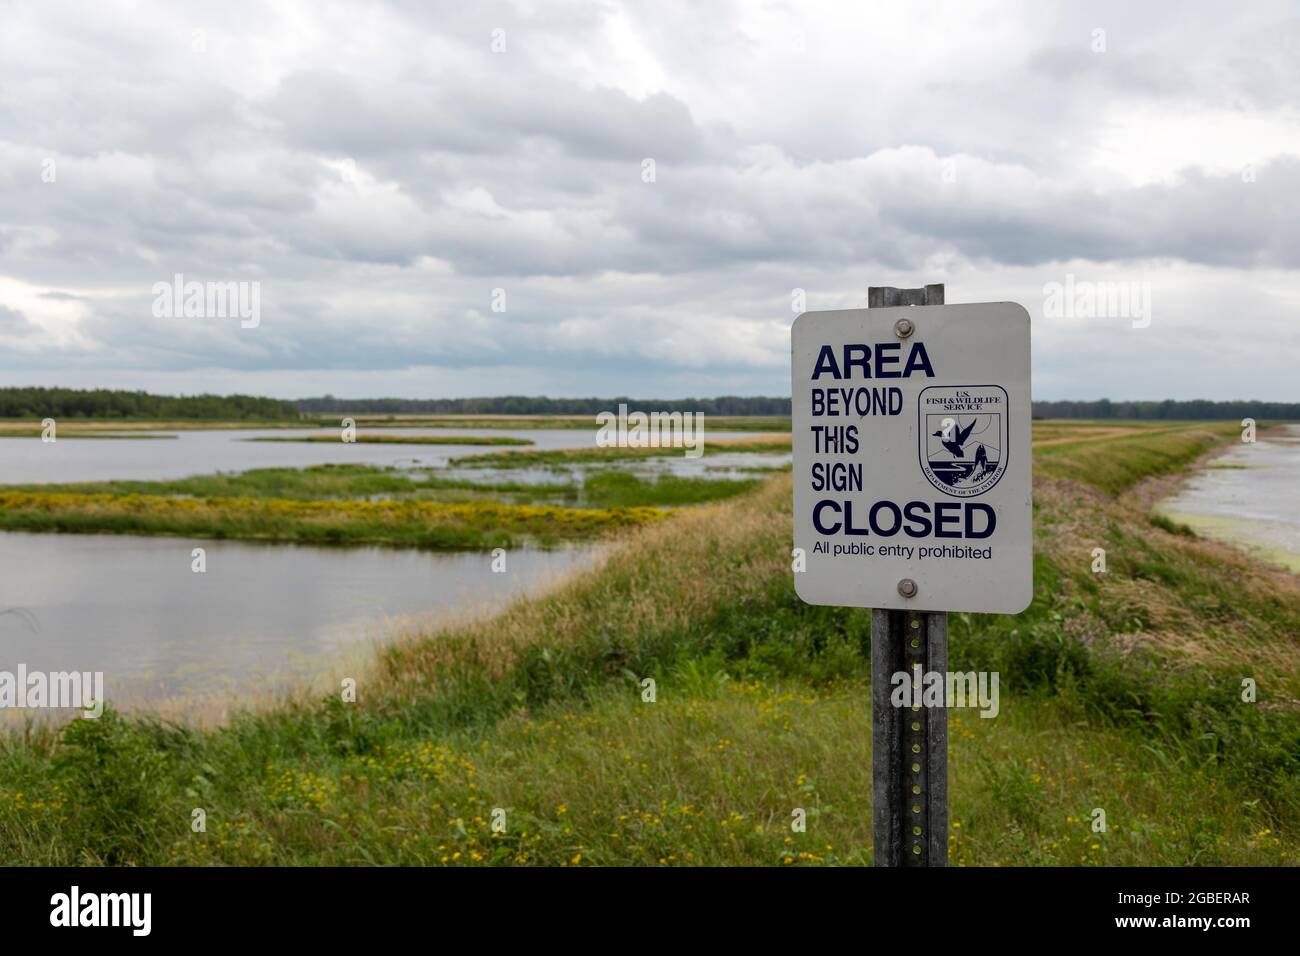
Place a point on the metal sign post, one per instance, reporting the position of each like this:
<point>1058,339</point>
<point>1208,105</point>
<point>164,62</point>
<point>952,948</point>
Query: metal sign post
<point>911,440</point>
<point>909,746</point>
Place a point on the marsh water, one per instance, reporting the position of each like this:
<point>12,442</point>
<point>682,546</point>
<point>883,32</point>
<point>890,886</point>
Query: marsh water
<point>206,452</point>
<point>258,616</point>
<point>1249,497</point>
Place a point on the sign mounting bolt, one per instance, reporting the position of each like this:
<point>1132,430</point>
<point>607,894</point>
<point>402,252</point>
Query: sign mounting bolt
<point>907,587</point>
<point>903,328</point>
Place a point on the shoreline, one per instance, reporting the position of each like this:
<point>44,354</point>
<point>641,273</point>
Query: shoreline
<point>1248,536</point>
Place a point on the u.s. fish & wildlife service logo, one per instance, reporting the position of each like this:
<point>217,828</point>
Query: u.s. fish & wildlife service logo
<point>962,437</point>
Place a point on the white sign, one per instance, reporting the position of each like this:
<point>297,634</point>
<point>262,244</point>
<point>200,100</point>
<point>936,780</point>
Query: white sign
<point>912,457</point>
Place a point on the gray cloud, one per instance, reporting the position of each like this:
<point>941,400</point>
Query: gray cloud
<point>381,176</point>
<point>13,322</point>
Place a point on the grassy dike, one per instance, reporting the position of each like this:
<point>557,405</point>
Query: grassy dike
<point>1119,691</point>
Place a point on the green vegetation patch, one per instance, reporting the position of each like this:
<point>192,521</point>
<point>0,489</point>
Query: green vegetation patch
<point>597,489</point>
<point>324,521</point>
<point>579,456</point>
<point>1118,463</point>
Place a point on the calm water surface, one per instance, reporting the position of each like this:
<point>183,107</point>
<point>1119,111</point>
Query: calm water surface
<point>1249,497</point>
<point>261,614</point>
<point>30,460</point>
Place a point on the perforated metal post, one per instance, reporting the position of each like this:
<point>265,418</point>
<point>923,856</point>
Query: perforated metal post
<point>909,745</point>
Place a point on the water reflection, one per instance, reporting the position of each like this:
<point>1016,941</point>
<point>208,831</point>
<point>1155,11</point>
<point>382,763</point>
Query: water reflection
<point>133,608</point>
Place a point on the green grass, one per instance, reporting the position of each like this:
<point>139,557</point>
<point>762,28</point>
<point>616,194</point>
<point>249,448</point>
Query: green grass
<point>1117,464</point>
<point>621,489</point>
<point>1173,527</point>
<point>599,488</point>
<point>1120,692</point>
<point>417,524</point>
<point>580,456</point>
<point>318,481</point>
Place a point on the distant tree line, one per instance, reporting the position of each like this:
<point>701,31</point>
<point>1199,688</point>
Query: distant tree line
<point>120,404</point>
<point>1197,409</point>
<point>539,405</point>
<point>1200,409</point>
<point>61,403</point>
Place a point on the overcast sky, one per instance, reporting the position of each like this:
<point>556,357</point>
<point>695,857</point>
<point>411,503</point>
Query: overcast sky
<point>379,169</point>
